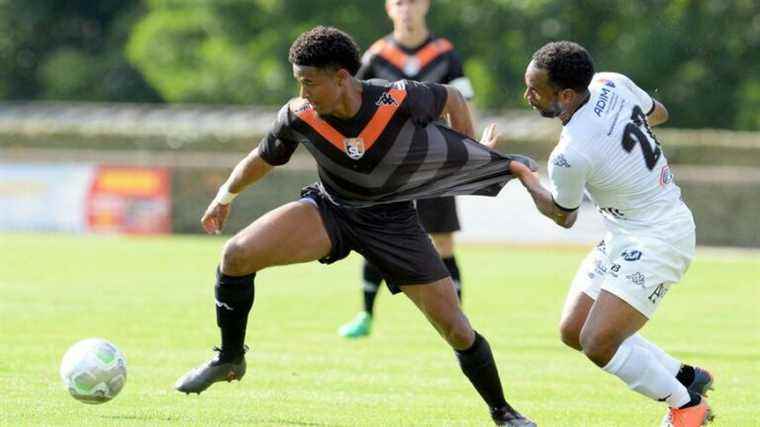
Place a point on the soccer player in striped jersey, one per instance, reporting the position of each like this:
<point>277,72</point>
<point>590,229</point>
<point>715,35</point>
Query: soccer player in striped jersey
<point>607,149</point>
<point>411,52</point>
<point>378,146</point>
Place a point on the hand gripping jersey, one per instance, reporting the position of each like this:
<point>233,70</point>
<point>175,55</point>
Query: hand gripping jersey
<point>608,149</point>
<point>435,61</point>
<point>391,150</point>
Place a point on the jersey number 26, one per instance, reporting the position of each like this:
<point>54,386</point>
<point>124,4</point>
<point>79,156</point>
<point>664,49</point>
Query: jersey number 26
<point>637,131</point>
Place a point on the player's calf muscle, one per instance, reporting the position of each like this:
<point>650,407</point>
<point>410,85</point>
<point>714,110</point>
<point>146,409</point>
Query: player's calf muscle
<point>600,346</point>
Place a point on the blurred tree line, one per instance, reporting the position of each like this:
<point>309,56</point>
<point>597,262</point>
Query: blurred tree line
<point>700,57</point>
<point>70,50</point>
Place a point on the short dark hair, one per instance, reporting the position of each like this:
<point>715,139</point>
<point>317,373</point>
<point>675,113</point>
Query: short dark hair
<point>569,65</point>
<point>325,47</point>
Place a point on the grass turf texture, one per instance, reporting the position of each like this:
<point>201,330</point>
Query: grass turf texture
<point>153,298</point>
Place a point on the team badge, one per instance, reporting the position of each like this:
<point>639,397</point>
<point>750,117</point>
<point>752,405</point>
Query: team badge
<point>412,66</point>
<point>354,147</point>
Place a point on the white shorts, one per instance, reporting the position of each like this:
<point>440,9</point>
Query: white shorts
<point>639,270</point>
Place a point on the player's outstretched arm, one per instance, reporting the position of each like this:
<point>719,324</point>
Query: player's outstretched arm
<point>542,197</point>
<point>249,170</point>
<point>659,114</point>
<point>459,113</point>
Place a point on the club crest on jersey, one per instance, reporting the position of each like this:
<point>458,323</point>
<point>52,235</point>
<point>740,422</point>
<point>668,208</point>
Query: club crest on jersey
<point>354,147</point>
<point>386,99</point>
<point>412,66</point>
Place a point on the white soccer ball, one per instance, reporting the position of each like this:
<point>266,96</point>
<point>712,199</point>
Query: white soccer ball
<point>94,370</point>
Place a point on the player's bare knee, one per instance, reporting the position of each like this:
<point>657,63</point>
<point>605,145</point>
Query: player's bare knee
<point>460,334</point>
<point>237,258</point>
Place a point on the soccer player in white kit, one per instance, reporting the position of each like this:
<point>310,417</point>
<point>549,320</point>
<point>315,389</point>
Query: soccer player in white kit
<point>608,149</point>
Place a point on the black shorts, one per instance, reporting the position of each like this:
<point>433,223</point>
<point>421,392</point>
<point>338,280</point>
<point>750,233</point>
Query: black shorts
<point>388,236</point>
<point>438,215</point>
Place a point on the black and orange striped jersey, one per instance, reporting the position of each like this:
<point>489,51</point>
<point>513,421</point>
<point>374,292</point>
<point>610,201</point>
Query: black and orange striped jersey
<point>392,150</point>
<point>435,61</point>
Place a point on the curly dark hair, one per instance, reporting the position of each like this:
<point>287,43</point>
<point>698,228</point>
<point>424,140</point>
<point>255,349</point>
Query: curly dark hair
<point>325,47</point>
<point>569,65</point>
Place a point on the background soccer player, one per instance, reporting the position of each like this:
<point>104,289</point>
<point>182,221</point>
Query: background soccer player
<point>412,52</point>
<point>608,149</point>
<point>377,147</point>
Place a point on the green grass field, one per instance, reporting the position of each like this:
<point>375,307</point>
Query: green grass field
<point>153,298</point>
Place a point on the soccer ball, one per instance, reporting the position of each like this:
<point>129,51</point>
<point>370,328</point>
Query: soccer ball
<point>94,370</point>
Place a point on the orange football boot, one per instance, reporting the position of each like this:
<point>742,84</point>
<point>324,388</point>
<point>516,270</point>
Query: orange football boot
<point>694,416</point>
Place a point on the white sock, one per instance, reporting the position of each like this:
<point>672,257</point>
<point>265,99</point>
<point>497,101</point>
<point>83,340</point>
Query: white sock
<point>641,371</point>
<point>670,363</point>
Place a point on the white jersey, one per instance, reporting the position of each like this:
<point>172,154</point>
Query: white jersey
<point>608,150</point>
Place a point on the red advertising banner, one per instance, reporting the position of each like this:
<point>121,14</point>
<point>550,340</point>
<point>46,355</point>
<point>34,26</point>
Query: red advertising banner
<point>132,200</point>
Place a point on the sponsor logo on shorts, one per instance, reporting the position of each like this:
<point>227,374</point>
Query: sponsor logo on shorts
<point>631,255</point>
<point>658,293</point>
<point>637,279</point>
<point>614,270</point>
<point>600,268</point>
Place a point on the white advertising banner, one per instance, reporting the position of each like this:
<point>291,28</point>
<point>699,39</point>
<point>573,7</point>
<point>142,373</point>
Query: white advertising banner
<point>44,197</point>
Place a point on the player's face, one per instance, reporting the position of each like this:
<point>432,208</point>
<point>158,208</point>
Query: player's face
<point>408,14</point>
<point>321,87</point>
<point>539,92</point>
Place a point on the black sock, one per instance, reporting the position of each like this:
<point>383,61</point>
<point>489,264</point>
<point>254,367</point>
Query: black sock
<point>695,399</point>
<point>372,280</point>
<point>478,365</point>
<point>451,265</point>
<point>686,375</point>
<point>234,299</point>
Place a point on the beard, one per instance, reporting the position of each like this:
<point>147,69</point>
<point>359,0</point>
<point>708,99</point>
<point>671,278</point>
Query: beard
<point>550,112</point>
